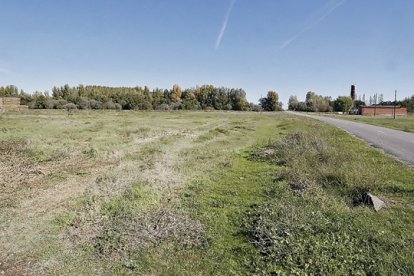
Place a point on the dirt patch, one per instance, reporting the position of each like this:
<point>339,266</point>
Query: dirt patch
<point>17,170</point>
<point>114,238</point>
<point>163,224</point>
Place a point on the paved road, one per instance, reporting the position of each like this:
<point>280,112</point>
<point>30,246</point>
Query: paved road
<point>394,142</point>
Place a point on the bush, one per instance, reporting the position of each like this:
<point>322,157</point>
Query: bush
<point>255,107</point>
<point>163,107</point>
<point>84,103</point>
<point>56,104</point>
<point>176,106</point>
<point>112,105</point>
<point>145,105</point>
<point>70,106</point>
<point>95,104</point>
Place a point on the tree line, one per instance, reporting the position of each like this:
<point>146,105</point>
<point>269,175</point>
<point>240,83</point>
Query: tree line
<point>318,103</point>
<point>206,97</point>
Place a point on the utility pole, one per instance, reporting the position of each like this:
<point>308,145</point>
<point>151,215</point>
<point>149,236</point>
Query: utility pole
<point>375,104</point>
<point>395,101</point>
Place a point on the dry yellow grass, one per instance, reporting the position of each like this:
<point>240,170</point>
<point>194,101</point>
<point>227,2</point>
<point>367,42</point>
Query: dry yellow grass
<point>50,160</point>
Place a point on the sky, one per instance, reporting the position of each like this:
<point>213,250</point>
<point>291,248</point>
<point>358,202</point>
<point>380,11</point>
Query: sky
<point>289,46</point>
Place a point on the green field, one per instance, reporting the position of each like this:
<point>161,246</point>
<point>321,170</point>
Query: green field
<point>404,123</point>
<point>197,193</point>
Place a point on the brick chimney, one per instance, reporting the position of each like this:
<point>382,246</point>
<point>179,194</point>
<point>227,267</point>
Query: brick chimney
<point>353,94</point>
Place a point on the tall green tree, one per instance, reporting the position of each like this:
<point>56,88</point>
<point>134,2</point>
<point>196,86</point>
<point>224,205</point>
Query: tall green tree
<point>9,91</point>
<point>409,104</point>
<point>270,102</point>
<point>343,104</point>
<point>317,103</point>
<point>293,103</point>
<point>237,99</point>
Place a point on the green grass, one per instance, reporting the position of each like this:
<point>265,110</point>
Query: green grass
<point>404,123</point>
<point>198,193</point>
<point>328,225</point>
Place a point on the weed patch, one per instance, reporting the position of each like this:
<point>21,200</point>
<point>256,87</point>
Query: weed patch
<point>295,239</point>
<point>132,223</point>
<point>17,168</point>
<point>90,153</point>
<point>313,161</point>
<point>65,219</point>
<point>318,219</point>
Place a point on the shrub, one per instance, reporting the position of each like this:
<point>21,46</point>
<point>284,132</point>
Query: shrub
<point>70,106</point>
<point>94,104</point>
<point>111,105</point>
<point>84,103</point>
<point>164,107</point>
<point>56,104</point>
<point>176,106</point>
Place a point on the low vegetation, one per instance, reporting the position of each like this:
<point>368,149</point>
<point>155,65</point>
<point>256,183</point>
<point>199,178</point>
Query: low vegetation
<point>184,193</point>
<point>318,218</point>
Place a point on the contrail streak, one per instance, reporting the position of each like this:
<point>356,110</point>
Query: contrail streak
<point>326,11</point>
<point>224,26</point>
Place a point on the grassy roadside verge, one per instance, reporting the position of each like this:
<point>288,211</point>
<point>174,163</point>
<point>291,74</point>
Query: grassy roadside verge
<point>318,219</point>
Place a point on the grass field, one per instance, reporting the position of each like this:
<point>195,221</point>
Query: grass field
<point>404,123</point>
<point>197,193</point>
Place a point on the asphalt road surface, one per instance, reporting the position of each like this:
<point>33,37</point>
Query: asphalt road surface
<point>400,144</point>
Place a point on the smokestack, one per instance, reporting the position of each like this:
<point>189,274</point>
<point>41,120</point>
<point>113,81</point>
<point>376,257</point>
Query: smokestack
<point>353,92</point>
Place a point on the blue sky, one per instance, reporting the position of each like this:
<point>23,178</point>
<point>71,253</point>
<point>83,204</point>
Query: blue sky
<point>290,46</point>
